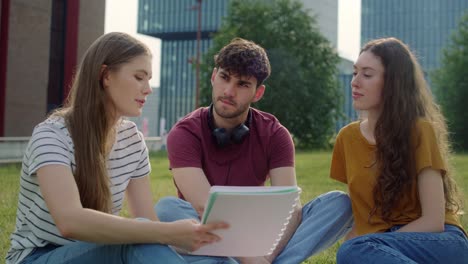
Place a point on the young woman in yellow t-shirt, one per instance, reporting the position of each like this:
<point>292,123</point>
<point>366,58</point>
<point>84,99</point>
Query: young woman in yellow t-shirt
<point>395,162</point>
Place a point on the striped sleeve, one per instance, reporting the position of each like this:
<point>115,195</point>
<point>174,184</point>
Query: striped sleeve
<point>47,147</point>
<point>144,166</point>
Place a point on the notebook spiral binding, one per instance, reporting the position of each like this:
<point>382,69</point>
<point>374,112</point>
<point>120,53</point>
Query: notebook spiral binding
<point>285,225</point>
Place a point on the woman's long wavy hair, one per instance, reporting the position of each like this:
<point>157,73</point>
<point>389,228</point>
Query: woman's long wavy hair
<point>405,97</point>
<point>89,119</point>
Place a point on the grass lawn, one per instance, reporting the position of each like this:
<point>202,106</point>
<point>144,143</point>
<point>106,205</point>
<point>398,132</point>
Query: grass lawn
<point>312,173</point>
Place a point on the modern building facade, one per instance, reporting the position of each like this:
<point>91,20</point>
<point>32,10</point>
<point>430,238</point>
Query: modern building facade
<point>175,22</point>
<point>326,15</point>
<point>345,75</point>
<point>348,110</point>
<point>426,25</point>
<point>40,44</point>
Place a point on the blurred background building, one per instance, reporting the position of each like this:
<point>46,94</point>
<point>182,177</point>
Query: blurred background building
<point>42,41</point>
<point>426,25</point>
<point>326,15</point>
<point>40,44</point>
<point>175,22</point>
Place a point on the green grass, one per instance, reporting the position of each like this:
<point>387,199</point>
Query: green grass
<point>312,174</point>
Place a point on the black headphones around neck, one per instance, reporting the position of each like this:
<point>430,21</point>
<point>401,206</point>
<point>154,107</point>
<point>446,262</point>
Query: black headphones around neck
<point>222,137</point>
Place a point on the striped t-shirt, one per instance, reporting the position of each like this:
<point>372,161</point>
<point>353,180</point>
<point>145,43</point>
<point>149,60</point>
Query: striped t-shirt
<point>51,144</point>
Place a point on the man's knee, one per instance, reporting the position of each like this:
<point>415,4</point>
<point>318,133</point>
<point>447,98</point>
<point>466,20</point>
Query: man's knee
<point>338,197</point>
<point>167,202</point>
<point>338,200</point>
<point>342,201</point>
<point>165,207</point>
<point>170,209</point>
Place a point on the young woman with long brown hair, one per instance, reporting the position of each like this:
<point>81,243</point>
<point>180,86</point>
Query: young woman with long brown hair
<point>83,160</point>
<point>395,161</point>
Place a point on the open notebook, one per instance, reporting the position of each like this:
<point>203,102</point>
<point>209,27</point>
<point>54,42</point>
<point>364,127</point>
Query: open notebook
<point>257,217</point>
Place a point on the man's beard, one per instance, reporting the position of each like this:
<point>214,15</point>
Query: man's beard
<point>240,109</point>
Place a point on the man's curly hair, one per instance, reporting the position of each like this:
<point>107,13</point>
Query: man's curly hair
<point>244,58</point>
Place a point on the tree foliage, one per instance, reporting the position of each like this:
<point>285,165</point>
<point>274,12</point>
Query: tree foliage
<point>451,85</point>
<point>302,91</point>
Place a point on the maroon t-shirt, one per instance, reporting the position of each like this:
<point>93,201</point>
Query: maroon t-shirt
<point>267,146</point>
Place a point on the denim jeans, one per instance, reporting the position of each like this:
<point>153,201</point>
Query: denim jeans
<point>325,220</point>
<point>450,246</point>
<point>82,252</point>
<point>89,253</point>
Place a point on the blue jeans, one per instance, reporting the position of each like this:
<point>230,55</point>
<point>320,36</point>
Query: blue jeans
<point>325,220</point>
<point>450,246</point>
<point>82,252</point>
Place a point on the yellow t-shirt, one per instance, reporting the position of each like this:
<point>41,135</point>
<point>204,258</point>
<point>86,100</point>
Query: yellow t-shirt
<point>353,163</point>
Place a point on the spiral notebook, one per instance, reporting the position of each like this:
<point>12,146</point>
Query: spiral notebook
<point>257,217</point>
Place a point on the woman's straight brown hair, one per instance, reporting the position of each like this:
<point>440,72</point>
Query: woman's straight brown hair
<point>89,119</point>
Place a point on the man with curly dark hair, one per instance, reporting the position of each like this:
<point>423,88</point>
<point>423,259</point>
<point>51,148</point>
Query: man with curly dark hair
<point>232,144</point>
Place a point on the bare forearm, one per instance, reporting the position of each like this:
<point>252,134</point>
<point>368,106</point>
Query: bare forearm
<point>94,226</point>
<point>194,186</point>
<point>431,197</point>
<point>422,224</point>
